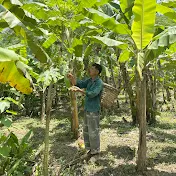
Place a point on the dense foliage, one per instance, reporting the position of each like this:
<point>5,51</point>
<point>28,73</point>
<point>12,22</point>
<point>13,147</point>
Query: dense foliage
<point>41,41</point>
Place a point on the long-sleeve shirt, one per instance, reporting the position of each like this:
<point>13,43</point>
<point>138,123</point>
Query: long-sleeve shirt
<point>93,93</point>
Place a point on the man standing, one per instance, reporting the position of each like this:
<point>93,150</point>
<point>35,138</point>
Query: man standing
<point>94,87</point>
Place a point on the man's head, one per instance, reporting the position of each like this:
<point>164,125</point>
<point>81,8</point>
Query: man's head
<point>95,70</point>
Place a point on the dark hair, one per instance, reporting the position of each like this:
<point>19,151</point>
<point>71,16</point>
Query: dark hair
<point>98,67</point>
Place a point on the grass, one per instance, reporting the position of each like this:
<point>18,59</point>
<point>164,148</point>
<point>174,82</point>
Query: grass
<point>119,142</point>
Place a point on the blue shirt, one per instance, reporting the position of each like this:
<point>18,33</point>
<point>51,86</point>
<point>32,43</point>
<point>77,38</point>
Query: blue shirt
<point>93,93</point>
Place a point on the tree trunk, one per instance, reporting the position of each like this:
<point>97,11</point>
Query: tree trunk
<point>43,106</point>
<point>141,110</point>
<point>119,87</point>
<point>56,97</point>
<point>129,90</point>
<point>46,149</point>
<point>107,79</point>
<point>154,107</point>
<point>164,97</point>
<point>74,108</point>
<point>148,102</point>
<point>168,94</point>
<point>27,105</point>
<point>112,74</point>
<point>151,97</point>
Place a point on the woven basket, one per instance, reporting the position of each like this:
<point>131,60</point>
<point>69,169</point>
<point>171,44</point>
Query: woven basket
<point>109,95</point>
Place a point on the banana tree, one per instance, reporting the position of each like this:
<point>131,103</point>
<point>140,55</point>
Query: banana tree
<point>16,19</point>
<point>24,25</point>
<point>142,45</point>
<point>14,71</point>
<point>67,31</point>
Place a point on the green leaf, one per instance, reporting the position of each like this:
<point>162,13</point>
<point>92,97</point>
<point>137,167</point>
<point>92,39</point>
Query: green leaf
<point>12,140</point>
<point>107,72</point>
<point>165,38</point>
<point>4,104</point>
<point>4,151</point>
<point>106,21</point>
<point>18,19</point>
<point>23,50</point>
<point>171,50</point>
<point>67,81</point>
<point>163,22</point>
<point>102,2</point>
<point>125,5</point>
<point>34,74</point>
<point>14,101</point>
<point>16,46</point>
<point>144,19</point>
<point>166,11</point>
<point>6,121</point>
<point>39,52</point>
<point>14,167</point>
<point>56,21</point>
<point>51,75</point>
<point>152,54</point>
<point>9,55</point>
<point>9,3</point>
<point>78,47</point>
<point>52,38</point>
<point>14,7</point>
<point>87,4</point>
<point>88,50</point>
<point>10,73</point>
<point>109,42</point>
<point>14,23</point>
<point>39,10</point>
<point>169,3</point>
<point>11,112</point>
<point>26,137</point>
<point>124,56</point>
<point>10,19</point>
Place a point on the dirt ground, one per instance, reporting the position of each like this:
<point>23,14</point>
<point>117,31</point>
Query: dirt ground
<point>119,142</point>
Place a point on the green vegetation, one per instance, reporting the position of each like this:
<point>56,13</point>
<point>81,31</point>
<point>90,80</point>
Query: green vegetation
<point>41,41</point>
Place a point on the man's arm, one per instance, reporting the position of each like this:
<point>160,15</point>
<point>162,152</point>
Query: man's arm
<point>81,83</point>
<point>92,93</point>
<point>96,91</point>
<point>72,79</point>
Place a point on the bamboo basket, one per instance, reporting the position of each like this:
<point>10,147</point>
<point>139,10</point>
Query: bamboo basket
<point>109,95</point>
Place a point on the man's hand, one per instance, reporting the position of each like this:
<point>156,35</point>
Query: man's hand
<point>71,78</point>
<point>76,89</point>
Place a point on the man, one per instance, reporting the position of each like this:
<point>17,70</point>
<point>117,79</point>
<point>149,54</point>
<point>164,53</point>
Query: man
<point>94,87</point>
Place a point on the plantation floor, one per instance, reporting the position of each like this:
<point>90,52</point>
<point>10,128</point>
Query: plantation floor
<point>119,141</point>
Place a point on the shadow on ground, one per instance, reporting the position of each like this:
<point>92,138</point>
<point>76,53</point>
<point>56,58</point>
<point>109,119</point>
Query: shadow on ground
<point>129,170</point>
<point>121,126</point>
<point>162,136</point>
<point>62,142</point>
<point>38,137</point>
<point>122,152</point>
<point>164,126</point>
<point>167,155</point>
